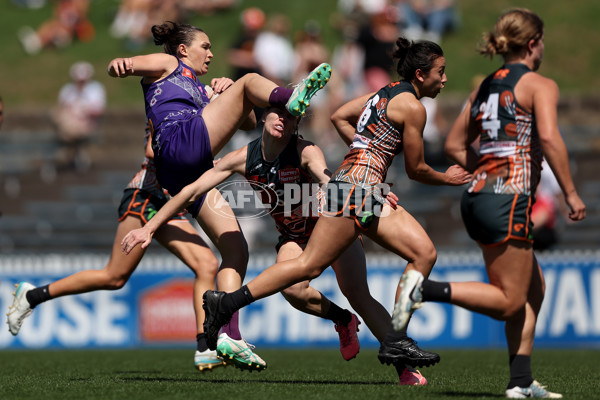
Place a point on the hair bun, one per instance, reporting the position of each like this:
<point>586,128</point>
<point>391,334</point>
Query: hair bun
<point>501,44</point>
<point>403,43</point>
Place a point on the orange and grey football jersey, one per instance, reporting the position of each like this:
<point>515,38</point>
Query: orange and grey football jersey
<point>272,176</point>
<point>510,151</point>
<point>376,140</point>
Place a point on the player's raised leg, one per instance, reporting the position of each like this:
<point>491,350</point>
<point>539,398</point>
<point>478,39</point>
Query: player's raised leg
<point>225,114</point>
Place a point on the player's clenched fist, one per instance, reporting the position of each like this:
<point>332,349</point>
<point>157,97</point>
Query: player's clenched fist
<point>121,67</point>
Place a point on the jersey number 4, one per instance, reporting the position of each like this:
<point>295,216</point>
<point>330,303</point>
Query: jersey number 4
<point>489,120</point>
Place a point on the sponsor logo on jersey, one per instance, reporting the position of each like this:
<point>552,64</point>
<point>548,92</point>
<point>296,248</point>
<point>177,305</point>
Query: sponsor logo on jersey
<point>501,73</point>
<point>289,175</point>
<point>188,73</point>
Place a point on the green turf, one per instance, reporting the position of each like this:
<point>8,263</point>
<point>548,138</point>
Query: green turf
<point>291,374</point>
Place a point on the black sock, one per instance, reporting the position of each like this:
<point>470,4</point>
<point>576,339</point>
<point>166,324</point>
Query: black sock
<point>400,368</point>
<point>393,336</point>
<point>338,315</point>
<point>235,300</point>
<point>436,291</point>
<point>37,296</point>
<point>201,342</point>
<point>520,371</point>
<point>403,332</point>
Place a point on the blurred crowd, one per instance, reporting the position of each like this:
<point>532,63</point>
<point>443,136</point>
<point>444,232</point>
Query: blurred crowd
<point>266,44</point>
<point>70,21</point>
<point>80,106</point>
<point>362,61</point>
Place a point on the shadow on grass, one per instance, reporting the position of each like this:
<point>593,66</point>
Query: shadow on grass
<point>261,381</point>
<point>474,394</point>
<point>301,382</point>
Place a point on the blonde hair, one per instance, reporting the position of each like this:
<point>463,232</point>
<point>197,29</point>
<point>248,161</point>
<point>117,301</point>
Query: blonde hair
<point>513,30</point>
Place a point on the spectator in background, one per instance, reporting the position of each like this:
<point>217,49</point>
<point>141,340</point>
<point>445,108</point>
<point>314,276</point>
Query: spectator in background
<point>377,39</point>
<point>274,52</point>
<point>241,54</point>
<point>1,111</point>
<point>309,52</point>
<point>159,11</point>
<point>135,18</point>
<point>130,17</point>
<point>545,210</point>
<point>31,4</point>
<point>241,59</point>
<point>81,103</point>
<point>366,7</point>
<point>205,7</point>
<point>69,22</point>
<point>348,60</point>
<point>427,19</point>
<point>434,133</point>
<point>309,49</point>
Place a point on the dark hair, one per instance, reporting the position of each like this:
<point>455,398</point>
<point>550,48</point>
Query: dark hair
<point>415,55</point>
<point>171,34</point>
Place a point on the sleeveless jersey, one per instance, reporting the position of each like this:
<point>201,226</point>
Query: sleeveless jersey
<point>177,97</point>
<point>146,179</point>
<point>510,151</point>
<point>273,175</point>
<point>370,156</point>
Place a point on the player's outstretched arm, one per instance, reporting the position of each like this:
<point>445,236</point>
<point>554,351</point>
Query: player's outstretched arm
<point>313,160</point>
<point>153,66</point>
<point>227,166</point>
<point>413,116</point>
<point>545,101</point>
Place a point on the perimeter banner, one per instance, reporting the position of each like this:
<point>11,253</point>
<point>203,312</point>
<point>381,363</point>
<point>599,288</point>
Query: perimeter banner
<point>155,307</point>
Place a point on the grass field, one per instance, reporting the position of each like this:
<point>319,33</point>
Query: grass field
<point>291,374</point>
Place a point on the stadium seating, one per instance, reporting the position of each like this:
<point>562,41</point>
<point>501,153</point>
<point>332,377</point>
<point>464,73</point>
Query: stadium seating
<point>77,211</point>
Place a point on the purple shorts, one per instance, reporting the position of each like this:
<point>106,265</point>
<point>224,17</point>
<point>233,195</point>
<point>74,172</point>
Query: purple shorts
<point>182,153</point>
